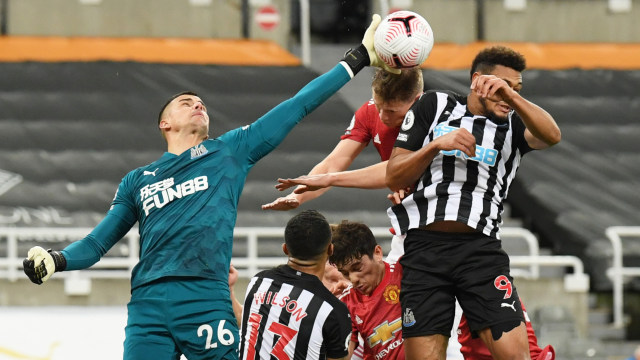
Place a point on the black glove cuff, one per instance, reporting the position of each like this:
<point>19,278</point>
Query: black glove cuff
<point>357,58</point>
<point>58,260</point>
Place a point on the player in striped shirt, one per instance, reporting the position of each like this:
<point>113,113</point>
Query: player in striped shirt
<point>185,205</point>
<point>459,154</point>
<point>288,313</point>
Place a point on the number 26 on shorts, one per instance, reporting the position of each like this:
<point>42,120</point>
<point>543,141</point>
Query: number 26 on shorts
<point>223,336</point>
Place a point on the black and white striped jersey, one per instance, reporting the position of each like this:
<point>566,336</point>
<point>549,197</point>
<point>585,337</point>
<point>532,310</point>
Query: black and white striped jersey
<point>290,315</point>
<point>454,186</point>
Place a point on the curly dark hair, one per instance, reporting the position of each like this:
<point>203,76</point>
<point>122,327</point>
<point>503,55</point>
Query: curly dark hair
<point>398,87</point>
<point>351,241</point>
<point>488,58</point>
<point>307,235</point>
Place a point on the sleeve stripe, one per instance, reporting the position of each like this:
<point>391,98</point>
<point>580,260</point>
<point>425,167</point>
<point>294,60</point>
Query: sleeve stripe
<point>348,68</point>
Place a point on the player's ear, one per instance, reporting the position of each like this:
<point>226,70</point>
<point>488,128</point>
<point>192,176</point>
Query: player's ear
<point>285,250</point>
<point>377,252</point>
<point>330,249</point>
<point>164,124</point>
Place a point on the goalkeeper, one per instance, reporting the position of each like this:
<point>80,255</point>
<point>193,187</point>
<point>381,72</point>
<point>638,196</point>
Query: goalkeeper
<point>185,204</point>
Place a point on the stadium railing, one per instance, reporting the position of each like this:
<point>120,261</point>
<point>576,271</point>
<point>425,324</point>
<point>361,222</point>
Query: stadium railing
<point>617,272</point>
<point>259,250</point>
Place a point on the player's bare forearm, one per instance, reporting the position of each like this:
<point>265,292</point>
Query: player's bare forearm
<point>405,167</point>
<point>337,161</point>
<point>340,158</point>
<point>370,177</point>
<point>352,348</point>
<point>542,128</point>
<point>333,162</point>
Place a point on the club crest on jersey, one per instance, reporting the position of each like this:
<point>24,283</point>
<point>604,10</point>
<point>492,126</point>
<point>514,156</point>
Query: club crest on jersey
<point>198,151</point>
<point>392,294</point>
<point>408,121</point>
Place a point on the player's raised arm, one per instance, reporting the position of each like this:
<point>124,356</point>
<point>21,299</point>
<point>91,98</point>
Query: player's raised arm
<point>271,129</point>
<point>40,264</point>
<point>406,166</point>
<point>542,130</point>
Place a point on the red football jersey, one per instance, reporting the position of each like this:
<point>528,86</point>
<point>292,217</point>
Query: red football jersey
<point>366,126</point>
<point>378,317</point>
<point>475,349</point>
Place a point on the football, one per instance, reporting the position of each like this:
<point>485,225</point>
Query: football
<point>403,39</point>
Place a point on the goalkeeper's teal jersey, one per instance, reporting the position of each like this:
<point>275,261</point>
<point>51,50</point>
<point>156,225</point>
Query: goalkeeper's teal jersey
<point>186,204</point>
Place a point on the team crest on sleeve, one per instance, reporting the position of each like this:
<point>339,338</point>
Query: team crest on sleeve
<point>408,121</point>
<point>392,294</point>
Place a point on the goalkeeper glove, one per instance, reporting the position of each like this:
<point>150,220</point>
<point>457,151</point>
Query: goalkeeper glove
<point>367,41</point>
<point>40,264</point>
<point>365,54</point>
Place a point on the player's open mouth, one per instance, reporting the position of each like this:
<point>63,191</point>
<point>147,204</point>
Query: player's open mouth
<point>504,108</point>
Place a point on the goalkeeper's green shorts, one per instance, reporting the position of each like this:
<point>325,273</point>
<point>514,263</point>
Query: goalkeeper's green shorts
<point>175,316</point>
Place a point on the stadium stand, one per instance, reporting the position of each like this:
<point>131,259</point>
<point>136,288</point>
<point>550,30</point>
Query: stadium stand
<point>572,193</point>
<point>71,130</point>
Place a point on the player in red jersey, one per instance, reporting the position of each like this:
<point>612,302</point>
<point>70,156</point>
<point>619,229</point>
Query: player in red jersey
<point>373,299</point>
<point>378,121</point>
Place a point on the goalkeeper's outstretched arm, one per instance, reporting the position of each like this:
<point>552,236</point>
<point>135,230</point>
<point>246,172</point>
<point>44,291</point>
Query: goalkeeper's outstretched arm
<point>40,264</point>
